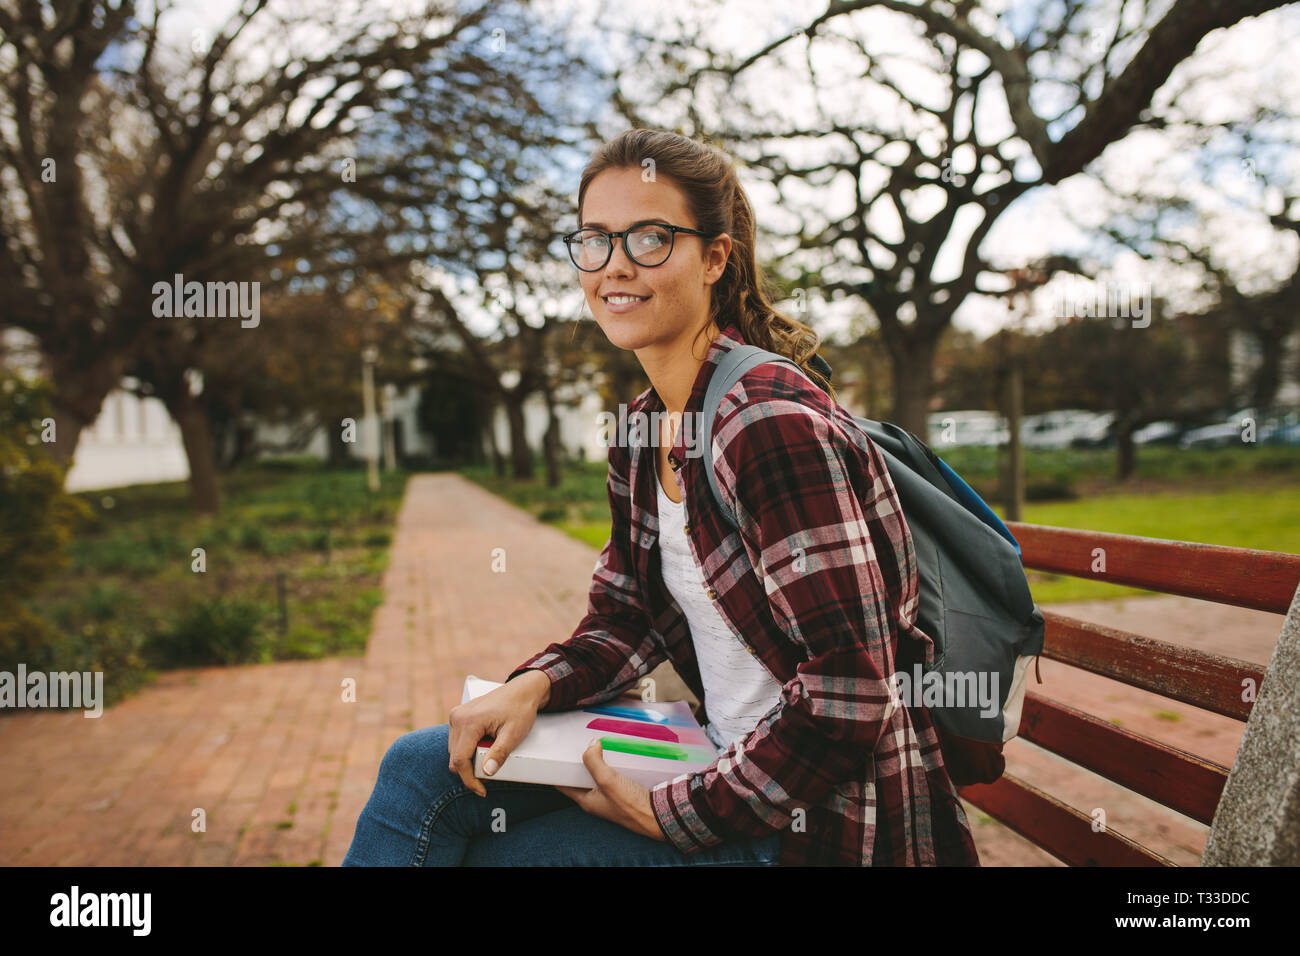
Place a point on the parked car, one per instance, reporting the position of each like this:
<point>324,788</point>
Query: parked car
<point>950,429</point>
<point>1164,432</point>
<point>1220,434</point>
<point>1061,428</point>
<point>1097,433</point>
<point>1281,429</point>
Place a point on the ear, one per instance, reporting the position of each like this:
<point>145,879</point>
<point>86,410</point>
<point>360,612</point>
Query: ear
<point>716,256</point>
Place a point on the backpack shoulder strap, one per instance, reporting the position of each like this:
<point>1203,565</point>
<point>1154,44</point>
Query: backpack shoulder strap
<point>897,445</point>
<point>734,363</point>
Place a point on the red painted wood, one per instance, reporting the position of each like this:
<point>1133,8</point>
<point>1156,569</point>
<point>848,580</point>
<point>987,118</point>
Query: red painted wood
<point>1180,780</point>
<point>1245,577</point>
<point>1194,677</point>
<point>1059,829</point>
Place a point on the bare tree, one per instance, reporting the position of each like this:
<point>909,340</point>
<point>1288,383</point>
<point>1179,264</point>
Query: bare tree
<point>125,163</point>
<point>1270,317</point>
<point>929,164</point>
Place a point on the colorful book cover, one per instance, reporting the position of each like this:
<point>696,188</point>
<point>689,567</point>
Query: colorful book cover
<point>648,742</point>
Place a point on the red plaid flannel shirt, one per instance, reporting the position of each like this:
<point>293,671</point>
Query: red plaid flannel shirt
<point>820,583</point>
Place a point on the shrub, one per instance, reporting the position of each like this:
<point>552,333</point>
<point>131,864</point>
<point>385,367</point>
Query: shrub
<point>213,631</point>
<point>37,517</point>
<point>1052,488</point>
<point>99,629</point>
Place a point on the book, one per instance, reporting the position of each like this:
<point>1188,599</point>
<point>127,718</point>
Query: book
<point>648,742</point>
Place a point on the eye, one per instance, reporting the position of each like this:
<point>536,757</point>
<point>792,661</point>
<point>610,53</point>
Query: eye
<point>650,238</point>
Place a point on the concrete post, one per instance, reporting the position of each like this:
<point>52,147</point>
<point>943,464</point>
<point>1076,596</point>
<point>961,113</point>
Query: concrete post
<point>1257,822</point>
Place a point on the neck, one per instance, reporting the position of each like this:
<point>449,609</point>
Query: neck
<point>673,366</point>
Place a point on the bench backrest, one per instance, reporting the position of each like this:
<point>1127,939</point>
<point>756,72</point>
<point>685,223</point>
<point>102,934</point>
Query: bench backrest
<point>1192,785</point>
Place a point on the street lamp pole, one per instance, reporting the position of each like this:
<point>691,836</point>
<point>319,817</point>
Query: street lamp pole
<point>369,355</point>
<point>387,397</point>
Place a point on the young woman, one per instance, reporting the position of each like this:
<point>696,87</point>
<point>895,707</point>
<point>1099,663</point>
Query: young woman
<point>788,629</point>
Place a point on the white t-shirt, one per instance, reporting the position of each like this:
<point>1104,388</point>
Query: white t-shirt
<point>738,690</point>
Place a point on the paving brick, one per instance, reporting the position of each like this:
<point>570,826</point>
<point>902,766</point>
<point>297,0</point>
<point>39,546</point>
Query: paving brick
<point>244,743</point>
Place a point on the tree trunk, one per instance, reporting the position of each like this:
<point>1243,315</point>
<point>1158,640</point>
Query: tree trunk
<point>521,456</point>
<point>551,442</point>
<point>1125,447</point>
<point>337,449</point>
<point>79,395</point>
<point>68,425</point>
<point>245,442</point>
<point>196,434</point>
<point>498,462</point>
<point>1013,488</point>
<point>1268,377</point>
<point>913,386</point>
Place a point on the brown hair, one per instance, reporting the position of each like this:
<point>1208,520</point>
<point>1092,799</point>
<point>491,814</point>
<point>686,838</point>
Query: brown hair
<point>715,198</point>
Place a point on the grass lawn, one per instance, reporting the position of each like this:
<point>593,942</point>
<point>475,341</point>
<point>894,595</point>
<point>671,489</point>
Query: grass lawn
<point>1245,498</point>
<point>290,568</point>
<point>1268,519</point>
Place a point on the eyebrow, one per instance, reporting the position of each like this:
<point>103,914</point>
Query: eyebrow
<point>639,222</point>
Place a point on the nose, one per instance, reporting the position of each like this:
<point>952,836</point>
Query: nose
<point>619,264</point>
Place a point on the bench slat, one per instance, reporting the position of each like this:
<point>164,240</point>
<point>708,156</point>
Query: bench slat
<point>1059,829</point>
<point>1186,674</point>
<point>1245,577</point>
<point>1180,780</point>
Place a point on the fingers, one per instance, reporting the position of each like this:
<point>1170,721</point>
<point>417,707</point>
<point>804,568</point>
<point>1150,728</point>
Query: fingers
<point>502,746</point>
<point>593,758</point>
<point>461,745</point>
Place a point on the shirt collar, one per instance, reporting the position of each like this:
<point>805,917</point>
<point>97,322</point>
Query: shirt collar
<point>727,338</point>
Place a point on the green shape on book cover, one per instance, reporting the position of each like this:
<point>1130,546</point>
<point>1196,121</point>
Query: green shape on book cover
<point>644,748</point>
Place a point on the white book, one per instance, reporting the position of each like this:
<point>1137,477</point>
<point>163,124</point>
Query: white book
<point>648,742</point>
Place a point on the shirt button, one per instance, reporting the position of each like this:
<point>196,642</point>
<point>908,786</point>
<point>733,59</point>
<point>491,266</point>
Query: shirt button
<point>686,529</point>
<point>752,652</point>
<point>711,593</point>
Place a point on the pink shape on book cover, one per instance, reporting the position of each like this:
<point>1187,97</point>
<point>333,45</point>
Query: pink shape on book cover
<point>633,729</point>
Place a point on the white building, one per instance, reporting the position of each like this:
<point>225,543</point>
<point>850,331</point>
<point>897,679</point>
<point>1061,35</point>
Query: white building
<point>579,424</point>
<point>133,441</point>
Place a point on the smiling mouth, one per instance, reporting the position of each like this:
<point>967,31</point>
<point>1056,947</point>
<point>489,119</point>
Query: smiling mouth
<point>624,299</point>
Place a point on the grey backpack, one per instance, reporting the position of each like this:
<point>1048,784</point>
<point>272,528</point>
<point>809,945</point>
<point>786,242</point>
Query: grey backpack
<point>974,598</point>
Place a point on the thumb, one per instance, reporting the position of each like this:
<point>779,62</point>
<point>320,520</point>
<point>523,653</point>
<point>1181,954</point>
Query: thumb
<point>593,758</point>
<point>502,745</point>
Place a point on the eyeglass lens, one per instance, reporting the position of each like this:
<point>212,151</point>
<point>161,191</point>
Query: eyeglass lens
<point>647,245</point>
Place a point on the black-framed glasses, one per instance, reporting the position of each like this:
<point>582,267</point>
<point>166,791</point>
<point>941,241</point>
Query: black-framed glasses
<point>648,244</point>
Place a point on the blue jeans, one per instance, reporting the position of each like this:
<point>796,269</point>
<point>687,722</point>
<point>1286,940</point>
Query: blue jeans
<point>422,814</point>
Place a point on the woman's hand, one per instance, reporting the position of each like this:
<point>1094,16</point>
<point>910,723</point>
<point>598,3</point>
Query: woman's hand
<point>615,797</point>
<point>505,714</point>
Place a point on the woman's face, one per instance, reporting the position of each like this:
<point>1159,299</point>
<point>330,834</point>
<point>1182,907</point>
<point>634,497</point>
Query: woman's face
<point>674,296</point>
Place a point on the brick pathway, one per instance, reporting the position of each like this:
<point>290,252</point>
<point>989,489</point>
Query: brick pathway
<point>281,765</point>
<point>278,762</point>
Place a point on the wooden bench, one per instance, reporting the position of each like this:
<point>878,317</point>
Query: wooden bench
<point>1189,784</point>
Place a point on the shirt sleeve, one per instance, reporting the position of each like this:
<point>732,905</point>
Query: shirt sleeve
<point>821,527</point>
<point>613,645</point>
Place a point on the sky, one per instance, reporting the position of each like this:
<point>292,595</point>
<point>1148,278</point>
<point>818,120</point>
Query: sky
<point>1232,73</point>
